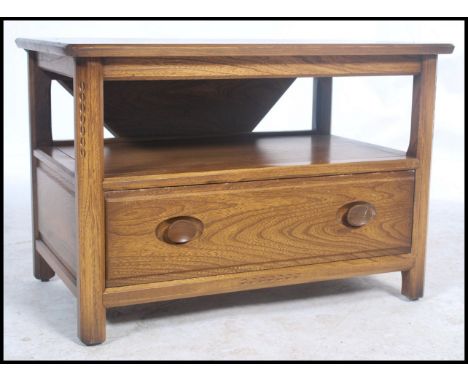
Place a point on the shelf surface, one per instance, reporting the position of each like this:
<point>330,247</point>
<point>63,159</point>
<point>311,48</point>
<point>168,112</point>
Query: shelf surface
<point>266,153</point>
<point>207,48</point>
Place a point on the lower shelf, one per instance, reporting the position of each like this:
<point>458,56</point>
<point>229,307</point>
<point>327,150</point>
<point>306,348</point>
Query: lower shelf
<point>254,156</point>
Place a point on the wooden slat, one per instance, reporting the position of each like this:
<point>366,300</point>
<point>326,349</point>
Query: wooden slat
<point>204,48</point>
<point>256,67</point>
<point>61,270</point>
<point>242,175</point>
<point>57,64</point>
<point>170,290</point>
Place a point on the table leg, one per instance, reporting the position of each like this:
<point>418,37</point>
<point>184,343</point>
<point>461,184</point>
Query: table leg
<point>420,147</point>
<point>322,105</point>
<point>40,133</point>
<point>89,150</point>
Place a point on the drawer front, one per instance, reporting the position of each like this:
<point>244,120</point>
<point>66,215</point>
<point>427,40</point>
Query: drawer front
<point>184,232</point>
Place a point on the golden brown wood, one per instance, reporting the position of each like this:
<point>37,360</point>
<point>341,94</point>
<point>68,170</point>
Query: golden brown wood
<point>420,147</point>
<point>90,200</point>
<point>242,175</point>
<point>126,69</point>
<point>40,130</point>
<point>250,225</point>
<point>130,165</point>
<point>322,105</point>
<point>204,48</point>
<point>202,286</point>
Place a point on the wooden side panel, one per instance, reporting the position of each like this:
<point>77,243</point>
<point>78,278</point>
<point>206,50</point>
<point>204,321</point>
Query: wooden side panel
<point>56,218</point>
<point>255,225</point>
<point>57,265</point>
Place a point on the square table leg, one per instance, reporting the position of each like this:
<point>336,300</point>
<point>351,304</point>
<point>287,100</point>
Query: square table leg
<point>40,130</point>
<point>89,151</point>
<point>422,121</point>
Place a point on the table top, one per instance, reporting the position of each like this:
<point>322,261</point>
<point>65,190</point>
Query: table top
<point>210,48</point>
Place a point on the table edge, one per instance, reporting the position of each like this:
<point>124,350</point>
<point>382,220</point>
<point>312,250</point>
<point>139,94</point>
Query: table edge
<point>238,50</point>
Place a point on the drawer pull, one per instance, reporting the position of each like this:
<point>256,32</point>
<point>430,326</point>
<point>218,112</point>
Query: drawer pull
<point>360,214</point>
<point>182,230</point>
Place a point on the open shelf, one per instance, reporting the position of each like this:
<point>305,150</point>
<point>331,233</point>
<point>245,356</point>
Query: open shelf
<point>243,157</point>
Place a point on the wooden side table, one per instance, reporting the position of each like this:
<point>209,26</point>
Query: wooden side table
<point>188,201</point>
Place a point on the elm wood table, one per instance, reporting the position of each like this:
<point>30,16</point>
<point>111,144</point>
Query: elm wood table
<point>187,201</point>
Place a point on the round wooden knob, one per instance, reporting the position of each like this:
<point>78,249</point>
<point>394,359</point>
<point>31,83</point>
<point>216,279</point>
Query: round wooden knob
<point>360,214</point>
<point>182,230</point>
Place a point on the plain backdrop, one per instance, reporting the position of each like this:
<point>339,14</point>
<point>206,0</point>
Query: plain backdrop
<point>373,109</point>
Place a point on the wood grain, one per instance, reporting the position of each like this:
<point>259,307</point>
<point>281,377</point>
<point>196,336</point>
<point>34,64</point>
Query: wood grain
<point>191,48</point>
<point>129,69</point>
<point>131,165</point>
<point>249,225</point>
<point>40,133</point>
<point>420,147</point>
<point>57,218</point>
<point>202,286</point>
<point>90,200</point>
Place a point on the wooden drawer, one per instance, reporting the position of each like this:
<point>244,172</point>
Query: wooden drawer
<point>256,225</point>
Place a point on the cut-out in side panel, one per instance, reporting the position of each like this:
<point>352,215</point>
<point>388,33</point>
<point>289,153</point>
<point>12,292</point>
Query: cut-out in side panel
<point>293,111</point>
<point>62,111</point>
<point>376,110</point>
